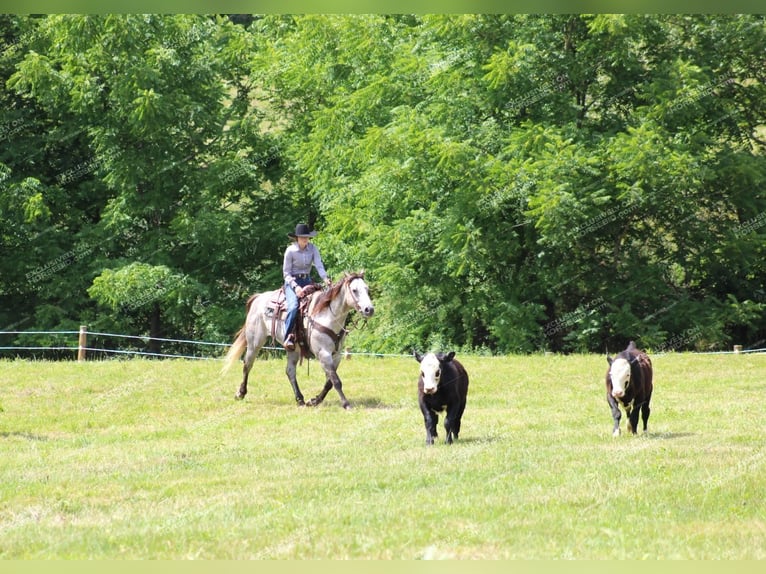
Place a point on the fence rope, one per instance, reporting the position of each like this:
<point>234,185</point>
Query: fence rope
<point>146,338</point>
<point>77,348</point>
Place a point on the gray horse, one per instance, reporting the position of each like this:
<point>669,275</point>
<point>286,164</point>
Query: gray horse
<point>325,328</point>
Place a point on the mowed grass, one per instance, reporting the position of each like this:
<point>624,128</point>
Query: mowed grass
<point>155,459</point>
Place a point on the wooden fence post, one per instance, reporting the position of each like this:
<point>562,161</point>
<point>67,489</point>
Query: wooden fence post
<point>83,342</point>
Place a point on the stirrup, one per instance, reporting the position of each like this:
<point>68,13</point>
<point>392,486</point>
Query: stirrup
<point>289,343</point>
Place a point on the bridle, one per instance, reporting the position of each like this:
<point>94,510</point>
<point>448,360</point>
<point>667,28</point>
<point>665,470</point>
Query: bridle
<point>355,298</point>
<point>339,336</point>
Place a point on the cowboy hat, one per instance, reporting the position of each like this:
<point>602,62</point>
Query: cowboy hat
<point>302,230</point>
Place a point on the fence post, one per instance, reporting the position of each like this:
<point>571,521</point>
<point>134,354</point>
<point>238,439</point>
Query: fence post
<point>83,342</point>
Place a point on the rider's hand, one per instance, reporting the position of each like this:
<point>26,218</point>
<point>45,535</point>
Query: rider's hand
<point>299,291</point>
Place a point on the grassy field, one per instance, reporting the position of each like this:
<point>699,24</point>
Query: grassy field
<point>153,459</point>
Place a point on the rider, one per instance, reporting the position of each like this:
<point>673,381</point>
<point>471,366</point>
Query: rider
<point>300,255</point>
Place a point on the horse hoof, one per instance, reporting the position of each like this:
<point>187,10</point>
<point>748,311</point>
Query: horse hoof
<point>239,397</point>
<point>347,406</point>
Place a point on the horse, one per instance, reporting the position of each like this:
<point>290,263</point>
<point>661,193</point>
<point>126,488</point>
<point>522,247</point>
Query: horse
<point>325,328</point>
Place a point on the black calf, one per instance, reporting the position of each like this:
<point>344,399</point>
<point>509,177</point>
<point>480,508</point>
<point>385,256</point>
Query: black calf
<point>442,384</point>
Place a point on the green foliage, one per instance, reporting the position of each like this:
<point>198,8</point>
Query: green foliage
<point>139,294</point>
<point>135,285</point>
<point>509,182</point>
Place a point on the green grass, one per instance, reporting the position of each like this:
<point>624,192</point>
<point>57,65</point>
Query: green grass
<point>152,459</point>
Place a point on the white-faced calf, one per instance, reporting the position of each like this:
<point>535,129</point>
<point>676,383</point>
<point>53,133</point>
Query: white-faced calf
<point>442,384</point>
<point>629,385</point>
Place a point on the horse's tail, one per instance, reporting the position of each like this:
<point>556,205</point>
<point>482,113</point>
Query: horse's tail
<point>235,351</point>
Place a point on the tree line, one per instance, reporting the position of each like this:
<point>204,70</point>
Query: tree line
<point>510,183</point>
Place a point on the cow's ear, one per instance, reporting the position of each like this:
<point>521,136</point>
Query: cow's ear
<point>418,356</point>
<point>609,360</point>
<point>448,357</point>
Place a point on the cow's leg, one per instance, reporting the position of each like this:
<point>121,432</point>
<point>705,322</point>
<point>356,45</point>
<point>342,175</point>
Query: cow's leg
<point>430,418</point>
<point>452,424</point>
<point>455,417</point>
<point>633,419</point>
<point>431,421</point>
<point>645,410</point>
<point>616,414</point>
<point>448,429</point>
<point>431,433</point>
<point>291,371</point>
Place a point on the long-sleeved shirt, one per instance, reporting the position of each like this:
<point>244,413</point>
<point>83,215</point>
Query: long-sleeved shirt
<point>299,261</point>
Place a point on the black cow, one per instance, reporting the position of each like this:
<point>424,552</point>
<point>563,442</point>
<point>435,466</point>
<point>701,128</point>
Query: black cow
<point>629,384</point>
<point>443,383</point>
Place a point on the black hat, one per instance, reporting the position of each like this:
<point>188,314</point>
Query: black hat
<point>302,230</point>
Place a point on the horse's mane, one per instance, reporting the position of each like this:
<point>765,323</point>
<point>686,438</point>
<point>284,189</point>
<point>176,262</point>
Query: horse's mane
<point>325,298</point>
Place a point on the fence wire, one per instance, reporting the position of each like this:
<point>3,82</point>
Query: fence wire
<point>74,349</point>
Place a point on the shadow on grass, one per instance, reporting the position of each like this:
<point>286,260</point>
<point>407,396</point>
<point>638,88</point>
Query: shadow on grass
<point>331,400</point>
<point>668,435</point>
<point>479,439</point>
<point>22,434</point>
<point>467,441</point>
<point>372,403</point>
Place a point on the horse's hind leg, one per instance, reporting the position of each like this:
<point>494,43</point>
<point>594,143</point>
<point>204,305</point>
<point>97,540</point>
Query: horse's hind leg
<point>249,360</point>
<point>292,361</point>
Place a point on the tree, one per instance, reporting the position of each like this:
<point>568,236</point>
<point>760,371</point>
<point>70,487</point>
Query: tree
<point>543,181</point>
<point>175,152</point>
<point>510,183</point>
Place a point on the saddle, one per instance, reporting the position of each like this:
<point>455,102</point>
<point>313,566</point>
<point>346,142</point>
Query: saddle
<point>280,312</point>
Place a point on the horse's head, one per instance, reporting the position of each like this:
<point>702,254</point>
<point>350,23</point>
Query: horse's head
<point>431,369</point>
<point>619,373</point>
<point>358,294</point>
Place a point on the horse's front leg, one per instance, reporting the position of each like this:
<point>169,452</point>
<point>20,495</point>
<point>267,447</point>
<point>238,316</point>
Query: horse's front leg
<point>292,362</point>
<point>329,362</point>
<point>317,400</point>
